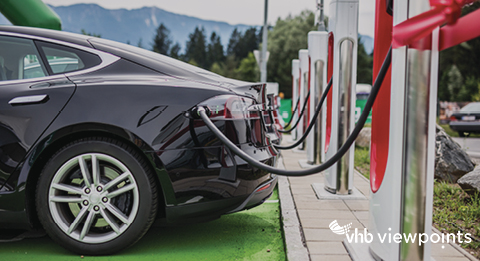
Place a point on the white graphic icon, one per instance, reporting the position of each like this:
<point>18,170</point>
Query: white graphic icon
<point>339,230</point>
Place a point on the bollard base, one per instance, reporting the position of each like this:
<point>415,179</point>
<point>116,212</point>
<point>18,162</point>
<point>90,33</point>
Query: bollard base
<point>321,193</point>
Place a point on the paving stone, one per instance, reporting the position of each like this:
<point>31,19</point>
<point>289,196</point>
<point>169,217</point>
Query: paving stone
<point>303,197</point>
<point>301,186</point>
<point>322,205</point>
<point>447,251</point>
<point>307,179</point>
<point>358,205</point>
<point>361,215</point>
<point>321,214</point>
<point>326,248</point>
<point>321,234</point>
<point>330,258</point>
<point>304,182</point>
<point>365,222</point>
<point>324,223</point>
<point>364,189</point>
<point>449,258</point>
<point>298,191</point>
<point>360,183</point>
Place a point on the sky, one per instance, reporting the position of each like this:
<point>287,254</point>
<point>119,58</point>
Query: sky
<point>248,12</point>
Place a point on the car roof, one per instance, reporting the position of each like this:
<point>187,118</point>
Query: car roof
<point>155,61</point>
<point>50,34</point>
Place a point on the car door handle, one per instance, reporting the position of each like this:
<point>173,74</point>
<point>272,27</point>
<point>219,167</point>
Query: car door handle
<point>32,99</point>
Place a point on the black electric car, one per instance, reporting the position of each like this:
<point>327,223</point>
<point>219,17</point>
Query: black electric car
<point>98,140</point>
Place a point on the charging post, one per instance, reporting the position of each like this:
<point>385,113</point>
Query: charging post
<point>295,94</point>
<point>343,28</point>
<point>303,90</point>
<point>317,51</point>
<point>403,139</point>
<point>402,187</point>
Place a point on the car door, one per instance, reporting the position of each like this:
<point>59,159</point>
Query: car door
<point>31,96</point>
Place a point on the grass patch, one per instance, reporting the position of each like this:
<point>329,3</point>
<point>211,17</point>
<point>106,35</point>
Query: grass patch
<point>362,161</point>
<point>449,131</point>
<point>454,211</point>
<point>453,133</point>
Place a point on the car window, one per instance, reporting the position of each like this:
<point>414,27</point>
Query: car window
<point>32,67</point>
<point>171,65</point>
<point>63,59</point>
<point>19,59</point>
<point>471,107</point>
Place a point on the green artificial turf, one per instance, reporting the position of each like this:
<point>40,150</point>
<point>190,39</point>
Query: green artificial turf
<point>254,234</point>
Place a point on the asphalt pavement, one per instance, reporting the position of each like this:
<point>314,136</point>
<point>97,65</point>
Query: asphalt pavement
<point>471,146</point>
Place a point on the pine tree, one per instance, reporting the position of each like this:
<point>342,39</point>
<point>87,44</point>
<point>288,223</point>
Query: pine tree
<point>161,41</point>
<point>175,51</point>
<point>215,52</point>
<point>364,65</point>
<point>196,48</point>
<point>241,44</point>
<point>234,43</point>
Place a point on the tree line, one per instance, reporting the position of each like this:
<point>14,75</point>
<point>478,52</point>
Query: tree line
<point>236,61</point>
<point>459,69</point>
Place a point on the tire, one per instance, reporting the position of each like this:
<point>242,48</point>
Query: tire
<point>96,212</point>
<point>461,134</point>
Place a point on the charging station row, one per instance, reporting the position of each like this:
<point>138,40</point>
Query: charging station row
<point>402,146</point>
<point>408,38</point>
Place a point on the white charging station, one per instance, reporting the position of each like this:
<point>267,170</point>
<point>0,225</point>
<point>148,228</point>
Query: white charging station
<point>318,52</point>
<point>295,95</point>
<point>303,83</point>
<point>403,141</point>
<point>343,27</point>
<point>401,202</point>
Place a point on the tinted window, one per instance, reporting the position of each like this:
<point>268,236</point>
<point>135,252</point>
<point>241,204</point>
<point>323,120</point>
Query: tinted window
<point>170,66</point>
<point>62,59</point>
<point>19,59</point>
<point>32,67</point>
<point>471,107</point>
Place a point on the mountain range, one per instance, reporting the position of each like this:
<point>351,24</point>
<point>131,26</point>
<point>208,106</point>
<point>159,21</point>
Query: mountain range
<point>138,26</point>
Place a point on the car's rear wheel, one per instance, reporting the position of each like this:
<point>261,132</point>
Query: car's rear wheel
<point>96,196</point>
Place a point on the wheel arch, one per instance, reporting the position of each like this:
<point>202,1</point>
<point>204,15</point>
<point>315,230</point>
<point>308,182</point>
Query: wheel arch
<point>53,142</point>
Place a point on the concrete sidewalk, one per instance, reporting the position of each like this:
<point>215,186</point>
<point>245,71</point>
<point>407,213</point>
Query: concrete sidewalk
<point>309,237</point>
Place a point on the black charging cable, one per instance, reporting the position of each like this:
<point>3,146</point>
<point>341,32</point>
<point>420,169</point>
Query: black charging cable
<point>312,123</point>
<point>299,117</point>
<point>203,113</point>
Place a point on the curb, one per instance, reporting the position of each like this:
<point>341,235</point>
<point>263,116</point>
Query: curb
<point>294,241</point>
